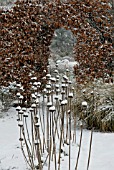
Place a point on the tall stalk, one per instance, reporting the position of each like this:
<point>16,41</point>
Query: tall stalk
<point>90,145</point>
<point>79,148</point>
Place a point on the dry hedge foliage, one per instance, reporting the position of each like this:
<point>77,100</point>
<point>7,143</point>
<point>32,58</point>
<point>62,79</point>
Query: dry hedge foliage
<point>27,29</point>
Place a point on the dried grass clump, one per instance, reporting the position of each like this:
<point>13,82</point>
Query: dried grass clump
<point>108,122</point>
<point>100,109</point>
<point>7,97</point>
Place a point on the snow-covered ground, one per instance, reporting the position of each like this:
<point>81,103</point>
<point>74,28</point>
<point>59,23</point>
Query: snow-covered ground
<point>10,152</point>
<point>11,158</point>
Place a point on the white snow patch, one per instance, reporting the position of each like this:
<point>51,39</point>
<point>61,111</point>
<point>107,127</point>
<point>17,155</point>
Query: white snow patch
<point>102,155</point>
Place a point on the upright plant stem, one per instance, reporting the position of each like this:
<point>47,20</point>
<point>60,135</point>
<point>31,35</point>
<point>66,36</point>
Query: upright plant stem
<point>62,126</point>
<point>69,139</point>
<point>32,132</point>
<point>27,132</point>
<point>90,148</point>
<point>43,124</point>
<point>66,122</point>
<point>50,144</point>
<point>47,130</point>
<point>79,148</point>
<point>30,154</point>
<point>54,146</point>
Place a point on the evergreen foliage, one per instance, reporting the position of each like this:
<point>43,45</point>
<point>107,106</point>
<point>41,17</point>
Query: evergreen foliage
<point>62,42</point>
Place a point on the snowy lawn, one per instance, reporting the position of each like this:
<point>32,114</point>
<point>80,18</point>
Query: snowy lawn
<point>102,155</point>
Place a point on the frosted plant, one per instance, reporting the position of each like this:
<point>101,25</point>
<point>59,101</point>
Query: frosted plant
<point>7,95</point>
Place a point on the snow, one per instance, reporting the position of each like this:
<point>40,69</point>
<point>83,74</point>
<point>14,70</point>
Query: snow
<point>63,64</point>
<point>102,154</point>
<point>10,152</point>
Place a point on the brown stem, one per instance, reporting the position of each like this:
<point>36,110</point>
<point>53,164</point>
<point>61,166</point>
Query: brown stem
<point>90,148</point>
<point>79,148</point>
